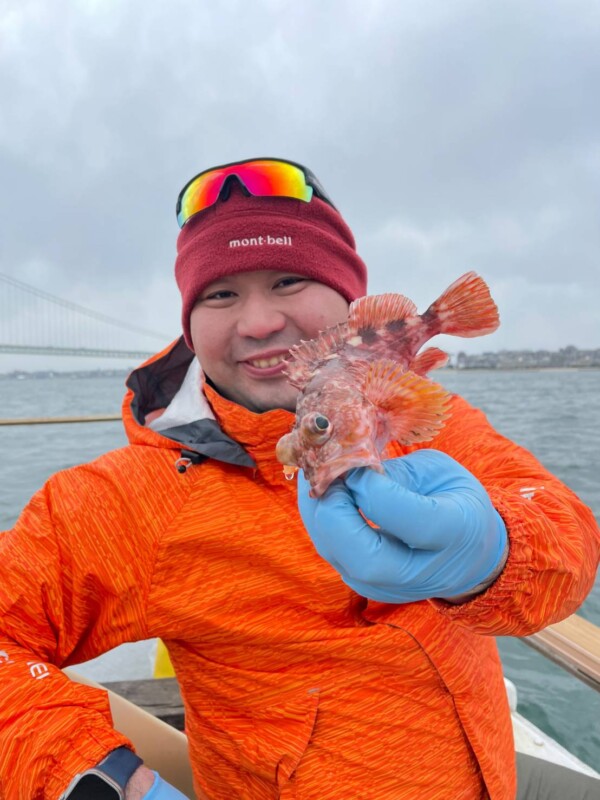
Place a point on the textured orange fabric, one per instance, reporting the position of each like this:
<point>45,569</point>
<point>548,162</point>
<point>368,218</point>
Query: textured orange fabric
<point>294,686</point>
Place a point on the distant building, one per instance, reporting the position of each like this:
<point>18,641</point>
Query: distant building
<point>528,359</point>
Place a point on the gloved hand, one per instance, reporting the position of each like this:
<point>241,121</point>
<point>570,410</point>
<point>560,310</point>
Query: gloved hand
<point>161,790</point>
<point>438,534</point>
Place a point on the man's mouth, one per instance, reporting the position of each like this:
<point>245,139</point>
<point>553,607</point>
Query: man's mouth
<point>264,363</point>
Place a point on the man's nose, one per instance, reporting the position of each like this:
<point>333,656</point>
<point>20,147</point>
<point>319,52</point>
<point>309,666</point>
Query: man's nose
<point>259,319</point>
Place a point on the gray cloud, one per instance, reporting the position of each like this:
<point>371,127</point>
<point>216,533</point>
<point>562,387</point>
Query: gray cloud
<point>452,136</point>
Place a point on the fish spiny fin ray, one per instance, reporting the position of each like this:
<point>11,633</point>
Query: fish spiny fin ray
<point>465,308</point>
<point>376,311</point>
<point>307,356</point>
<point>413,407</point>
<point>432,358</point>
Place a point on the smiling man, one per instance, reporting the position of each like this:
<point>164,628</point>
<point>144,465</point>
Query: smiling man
<point>314,662</point>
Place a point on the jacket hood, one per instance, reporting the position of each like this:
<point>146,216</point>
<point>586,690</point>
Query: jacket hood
<point>152,387</point>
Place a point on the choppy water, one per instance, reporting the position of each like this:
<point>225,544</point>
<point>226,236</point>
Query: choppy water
<point>552,413</point>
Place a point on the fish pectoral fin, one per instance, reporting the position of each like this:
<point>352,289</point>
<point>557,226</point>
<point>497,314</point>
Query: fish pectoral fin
<point>413,408</point>
<point>376,311</point>
<point>432,358</point>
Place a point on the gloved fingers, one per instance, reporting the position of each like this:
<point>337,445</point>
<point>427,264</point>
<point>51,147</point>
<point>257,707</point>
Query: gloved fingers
<point>428,471</point>
<point>393,570</point>
<point>420,521</point>
<point>358,552</point>
<point>380,566</point>
<point>319,515</point>
<point>333,520</point>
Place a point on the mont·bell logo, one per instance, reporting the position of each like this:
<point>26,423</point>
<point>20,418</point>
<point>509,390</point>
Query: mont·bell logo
<point>262,241</point>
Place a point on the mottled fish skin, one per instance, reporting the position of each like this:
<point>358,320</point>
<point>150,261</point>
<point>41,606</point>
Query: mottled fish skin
<point>362,382</point>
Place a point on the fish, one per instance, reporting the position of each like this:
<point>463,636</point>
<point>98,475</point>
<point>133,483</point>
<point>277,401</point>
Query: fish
<point>363,383</point>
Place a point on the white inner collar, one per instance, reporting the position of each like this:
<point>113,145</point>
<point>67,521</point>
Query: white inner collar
<point>188,405</point>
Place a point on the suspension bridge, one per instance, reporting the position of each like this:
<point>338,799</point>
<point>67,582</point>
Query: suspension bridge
<point>35,322</point>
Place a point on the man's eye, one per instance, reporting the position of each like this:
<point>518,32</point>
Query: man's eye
<point>224,294</point>
<point>291,281</point>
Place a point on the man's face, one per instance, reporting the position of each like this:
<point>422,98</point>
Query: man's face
<point>243,326</point>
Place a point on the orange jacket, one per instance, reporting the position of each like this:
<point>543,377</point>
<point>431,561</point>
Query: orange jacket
<point>294,686</point>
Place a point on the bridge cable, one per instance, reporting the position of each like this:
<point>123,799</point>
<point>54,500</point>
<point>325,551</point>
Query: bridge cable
<point>88,312</point>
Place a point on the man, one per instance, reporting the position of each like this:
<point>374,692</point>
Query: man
<point>365,673</point>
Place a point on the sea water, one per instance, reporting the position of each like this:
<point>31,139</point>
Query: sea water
<point>552,413</point>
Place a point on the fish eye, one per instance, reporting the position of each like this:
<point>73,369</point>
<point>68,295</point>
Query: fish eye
<point>317,427</point>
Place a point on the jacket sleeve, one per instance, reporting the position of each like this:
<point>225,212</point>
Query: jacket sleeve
<point>554,540</point>
<point>74,572</point>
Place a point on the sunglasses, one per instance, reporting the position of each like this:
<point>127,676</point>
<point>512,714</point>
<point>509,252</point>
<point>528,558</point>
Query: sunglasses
<point>261,177</point>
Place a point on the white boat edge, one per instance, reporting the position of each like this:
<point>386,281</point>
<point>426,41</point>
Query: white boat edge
<point>532,741</point>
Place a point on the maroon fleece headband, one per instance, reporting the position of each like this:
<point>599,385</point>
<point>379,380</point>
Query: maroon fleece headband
<point>243,234</point>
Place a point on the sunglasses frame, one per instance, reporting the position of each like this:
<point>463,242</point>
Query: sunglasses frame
<point>309,176</point>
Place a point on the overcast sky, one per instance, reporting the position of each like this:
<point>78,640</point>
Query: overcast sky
<point>452,136</point>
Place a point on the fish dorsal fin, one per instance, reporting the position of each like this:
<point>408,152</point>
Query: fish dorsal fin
<point>308,355</point>
<point>432,358</point>
<point>413,408</point>
<point>376,311</point>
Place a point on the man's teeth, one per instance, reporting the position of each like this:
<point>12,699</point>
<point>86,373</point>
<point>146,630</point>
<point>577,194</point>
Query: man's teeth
<point>263,363</point>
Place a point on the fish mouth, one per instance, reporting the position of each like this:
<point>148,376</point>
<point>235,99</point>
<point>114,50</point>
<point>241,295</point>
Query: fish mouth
<point>325,475</point>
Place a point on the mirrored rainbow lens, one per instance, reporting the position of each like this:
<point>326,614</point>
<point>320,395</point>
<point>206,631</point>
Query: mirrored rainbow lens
<point>260,178</point>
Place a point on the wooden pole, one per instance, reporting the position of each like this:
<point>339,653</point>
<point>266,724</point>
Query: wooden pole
<point>60,420</point>
<point>573,644</point>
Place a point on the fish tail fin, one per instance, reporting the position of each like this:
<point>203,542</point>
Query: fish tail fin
<point>465,309</point>
<point>432,358</point>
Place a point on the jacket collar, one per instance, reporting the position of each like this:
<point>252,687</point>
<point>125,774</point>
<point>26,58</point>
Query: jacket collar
<point>204,423</point>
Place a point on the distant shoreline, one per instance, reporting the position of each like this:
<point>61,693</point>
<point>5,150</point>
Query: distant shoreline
<point>575,367</point>
<point>21,375</point>
<point>118,373</point>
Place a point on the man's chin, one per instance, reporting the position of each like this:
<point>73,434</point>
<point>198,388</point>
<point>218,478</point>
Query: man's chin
<point>261,407</point>
<point>261,403</point>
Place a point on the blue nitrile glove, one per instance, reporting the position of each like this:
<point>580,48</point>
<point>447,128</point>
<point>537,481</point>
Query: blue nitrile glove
<point>439,535</point>
<point>161,790</point>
